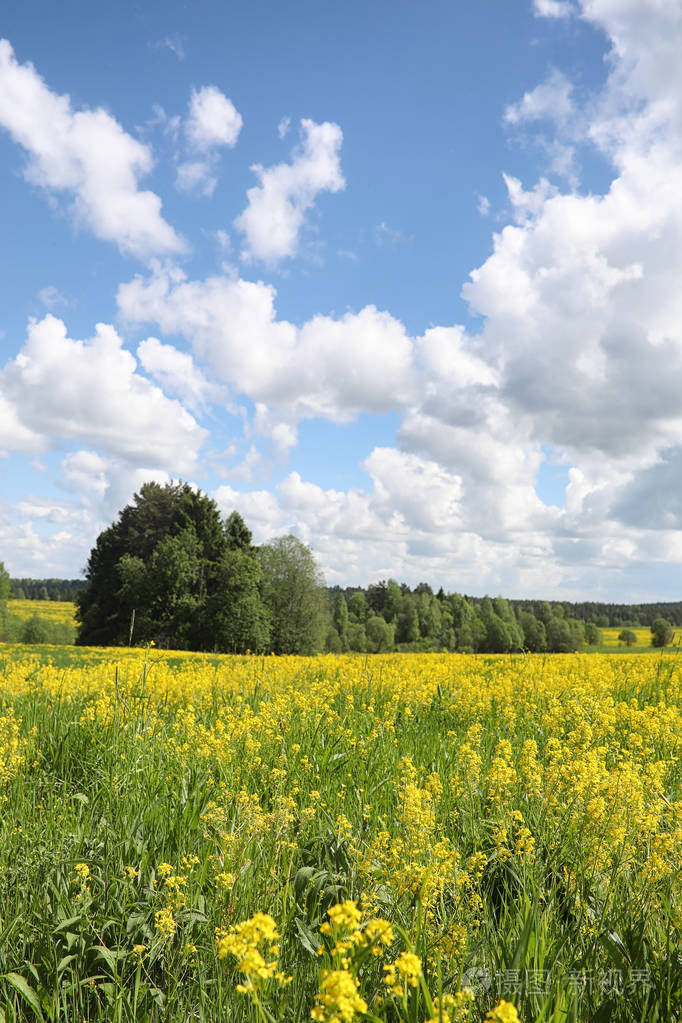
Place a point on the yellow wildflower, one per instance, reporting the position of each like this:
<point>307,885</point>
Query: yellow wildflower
<point>165,922</point>
<point>406,968</point>
<point>338,1000</point>
<point>505,1012</point>
<point>344,916</point>
<point>243,940</point>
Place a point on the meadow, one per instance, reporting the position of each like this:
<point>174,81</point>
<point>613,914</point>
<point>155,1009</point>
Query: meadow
<point>60,612</point>
<point>390,838</point>
<point>610,642</point>
<point>38,622</point>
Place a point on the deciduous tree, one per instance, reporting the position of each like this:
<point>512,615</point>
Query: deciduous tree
<point>661,632</point>
<point>292,589</point>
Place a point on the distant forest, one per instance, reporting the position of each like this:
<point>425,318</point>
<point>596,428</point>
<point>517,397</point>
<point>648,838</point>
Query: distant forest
<point>389,616</point>
<point>46,589</point>
<point>604,616</point>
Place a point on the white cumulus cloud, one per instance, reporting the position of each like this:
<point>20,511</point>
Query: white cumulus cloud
<point>551,100</point>
<point>177,373</point>
<point>272,221</point>
<point>213,119</point>
<point>58,388</point>
<point>88,155</point>
<point>85,472</point>
<point>328,367</point>
<point>196,176</point>
<point>554,8</point>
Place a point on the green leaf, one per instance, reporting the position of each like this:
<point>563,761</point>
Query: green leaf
<point>522,946</point>
<point>108,956</point>
<point>67,923</point>
<point>63,963</point>
<point>109,990</point>
<point>302,879</point>
<point>135,920</point>
<point>310,941</point>
<point>26,991</point>
<point>193,916</point>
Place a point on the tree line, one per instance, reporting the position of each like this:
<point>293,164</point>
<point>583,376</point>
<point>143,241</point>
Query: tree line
<point>45,589</point>
<point>603,615</point>
<point>614,616</point>
<point>387,616</point>
<point>170,570</point>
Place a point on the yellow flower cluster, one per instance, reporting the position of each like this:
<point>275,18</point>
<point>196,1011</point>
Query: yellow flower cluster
<point>345,925</point>
<point>453,1008</point>
<point>166,924</point>
<point>406,969</point>
<point>247,942</point>
<point>504,1012</point>
<point>338,1000</point>
<point>12,748</point>
<point>83,876</point>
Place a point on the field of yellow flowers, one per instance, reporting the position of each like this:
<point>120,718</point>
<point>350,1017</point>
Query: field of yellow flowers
<point>400,838</point>
<point>58,611</point>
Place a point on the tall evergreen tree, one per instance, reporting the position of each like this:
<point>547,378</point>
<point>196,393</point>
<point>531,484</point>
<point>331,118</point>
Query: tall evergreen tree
<point>237,534</point>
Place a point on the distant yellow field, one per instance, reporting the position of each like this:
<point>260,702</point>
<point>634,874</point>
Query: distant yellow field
<point>60,611</point>
<point>609,637</point>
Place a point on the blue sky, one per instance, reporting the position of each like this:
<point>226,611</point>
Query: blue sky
<point>398,278</point>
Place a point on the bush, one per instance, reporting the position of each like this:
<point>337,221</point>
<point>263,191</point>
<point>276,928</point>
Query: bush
<point>10,627</point>
<point>35,630</point>
<point>15,629</point>
<point>592,634</point>
<point>627,636</point>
